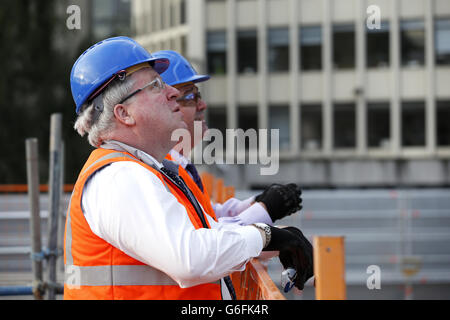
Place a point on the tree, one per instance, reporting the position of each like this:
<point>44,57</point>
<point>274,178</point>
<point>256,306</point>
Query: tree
<point>34,83</point>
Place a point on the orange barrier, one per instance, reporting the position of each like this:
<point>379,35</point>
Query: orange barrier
<point>216,189</point>
<point>229,192</point>
<point>219,195</point>
<point>207,180</point>
<point>23,188</point>
<point>254,283</point>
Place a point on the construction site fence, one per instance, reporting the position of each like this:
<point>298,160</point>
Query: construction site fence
<point>254,283</point>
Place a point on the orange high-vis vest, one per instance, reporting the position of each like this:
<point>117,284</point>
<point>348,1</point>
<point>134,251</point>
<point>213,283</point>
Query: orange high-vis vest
<point>94,269</point>
<point>202,196</point>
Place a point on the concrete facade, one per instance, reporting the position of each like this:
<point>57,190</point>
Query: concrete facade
<point>393,162</point>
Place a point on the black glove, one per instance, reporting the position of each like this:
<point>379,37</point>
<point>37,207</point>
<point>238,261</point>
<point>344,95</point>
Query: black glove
<point>300,259</point>
<point>295,252</point>
<point>281,200</point>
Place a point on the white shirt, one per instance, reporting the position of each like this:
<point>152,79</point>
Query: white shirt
<point>233,210</point>
<point>129,207</point>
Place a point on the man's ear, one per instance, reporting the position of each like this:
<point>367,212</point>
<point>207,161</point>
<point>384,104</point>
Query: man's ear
<point>122,115</point>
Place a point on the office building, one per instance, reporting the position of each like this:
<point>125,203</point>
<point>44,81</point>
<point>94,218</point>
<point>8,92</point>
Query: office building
<point>359,90</point>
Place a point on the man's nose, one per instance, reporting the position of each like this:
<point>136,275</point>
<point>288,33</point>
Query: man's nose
<point>173,93</point>
<point>201,105</point>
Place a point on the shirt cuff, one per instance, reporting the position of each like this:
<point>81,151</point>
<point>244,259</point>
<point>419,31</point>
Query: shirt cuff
<point>245,204</point>
<point>253,239</point>
<point>255,213</point>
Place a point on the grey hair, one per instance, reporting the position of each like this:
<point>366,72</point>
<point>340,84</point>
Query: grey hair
<point>98,131</point>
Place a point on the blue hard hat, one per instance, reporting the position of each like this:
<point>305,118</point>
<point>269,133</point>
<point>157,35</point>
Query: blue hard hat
<point>180,70</point>
<point>103,62</point>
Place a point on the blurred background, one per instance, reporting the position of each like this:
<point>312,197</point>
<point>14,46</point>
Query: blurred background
<point>359,90</point>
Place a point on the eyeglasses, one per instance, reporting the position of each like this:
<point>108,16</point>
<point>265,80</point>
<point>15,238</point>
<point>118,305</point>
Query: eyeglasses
<point>189,98</point>
<point>156,86</point>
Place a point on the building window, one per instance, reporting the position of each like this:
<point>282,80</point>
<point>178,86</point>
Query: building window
<point>217,118</point>
<point>311,126</point>
<point>163,14</point>
<point>344,46</point>
<point>173,17</point>
<point>344,125</point>
<point>377,46</point>
<point>278,55</point>
<point>183,45</point>
<point>412,42</point>
<point>110,18</point>
<point>182,11</point>
<point>216,52</point>
<point>378,125</point>
<point>442,41</point>
<point>413,124</point>
<point>443,123</point>
<point>247,51</point>
<point>279,119</point>
<point>248,119</point>
<point>155,26</point>
<point>311,48</point>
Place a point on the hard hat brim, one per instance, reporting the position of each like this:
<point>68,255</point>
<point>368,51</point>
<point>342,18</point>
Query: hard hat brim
<point>195,78</point>
<point>160,64</point>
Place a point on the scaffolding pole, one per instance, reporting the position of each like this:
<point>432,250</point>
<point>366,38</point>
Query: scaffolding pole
<point>54,200</point>
<point>32,155</point>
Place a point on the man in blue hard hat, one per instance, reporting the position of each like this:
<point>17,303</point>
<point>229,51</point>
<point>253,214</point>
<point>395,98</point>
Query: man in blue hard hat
<point>133,229</point>
<point>182,75</point>
<point>276,202</point>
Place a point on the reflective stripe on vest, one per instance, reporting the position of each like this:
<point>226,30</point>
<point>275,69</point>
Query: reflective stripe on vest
<point>110,275</point>
<point>117,275</point>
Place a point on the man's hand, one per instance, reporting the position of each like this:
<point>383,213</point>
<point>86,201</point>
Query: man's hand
<point>295,252</point>
<point>300,258</point>
<point>281,200</point>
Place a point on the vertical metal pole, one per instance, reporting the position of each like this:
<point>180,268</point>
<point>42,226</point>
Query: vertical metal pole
<point>361,105</point>
<point>263,96</point>
<point>294,76</point>
<point>62,211</point>
<point>395,50</point>
<point>430,67</point>
<point>231,66</point>
<point>31,146</point>
<point>54,199</point>
<point>328,76</point>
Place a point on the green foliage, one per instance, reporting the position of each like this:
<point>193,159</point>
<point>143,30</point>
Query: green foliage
<point>34,83</point>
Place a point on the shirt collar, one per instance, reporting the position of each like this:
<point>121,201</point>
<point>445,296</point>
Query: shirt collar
<point>141,155</point>
<point>179,158</point>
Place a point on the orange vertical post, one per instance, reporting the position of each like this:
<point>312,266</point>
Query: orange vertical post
<point>229,192</point>
<point>219,190</point>
<point>329,268</point>
<point>207,180</point>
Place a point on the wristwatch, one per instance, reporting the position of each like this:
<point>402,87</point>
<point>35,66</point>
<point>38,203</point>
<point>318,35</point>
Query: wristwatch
<point>264,227</point>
